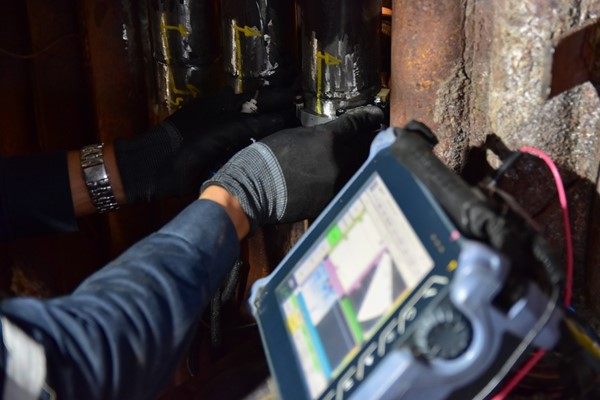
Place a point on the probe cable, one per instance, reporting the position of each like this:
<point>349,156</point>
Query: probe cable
<point>562,196</point>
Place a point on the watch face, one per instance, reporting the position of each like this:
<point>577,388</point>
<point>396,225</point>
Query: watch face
<point>95,173</point>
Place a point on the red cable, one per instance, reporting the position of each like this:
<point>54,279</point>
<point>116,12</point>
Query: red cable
<point>524,370</point>
<point>562,196</point>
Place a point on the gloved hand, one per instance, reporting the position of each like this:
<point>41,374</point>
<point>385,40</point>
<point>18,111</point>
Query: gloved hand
<point>175,156</point>
<point>292,174</point>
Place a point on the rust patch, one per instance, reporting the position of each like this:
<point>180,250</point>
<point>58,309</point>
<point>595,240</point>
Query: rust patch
<point>427,44</point>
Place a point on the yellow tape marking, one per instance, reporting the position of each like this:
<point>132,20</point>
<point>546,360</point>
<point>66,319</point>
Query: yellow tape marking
<point>190,90</point>
<point>180,28</point>
<point>247,32</point>
<point>328,59</point>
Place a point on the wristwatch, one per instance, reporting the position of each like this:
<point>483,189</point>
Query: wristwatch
<point>96,178</point>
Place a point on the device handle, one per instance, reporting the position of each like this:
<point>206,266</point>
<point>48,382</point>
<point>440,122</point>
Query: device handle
<point>468,207</point>
<point>413,149</point>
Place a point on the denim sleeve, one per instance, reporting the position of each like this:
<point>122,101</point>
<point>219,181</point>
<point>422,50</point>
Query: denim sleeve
<point>123,331</point>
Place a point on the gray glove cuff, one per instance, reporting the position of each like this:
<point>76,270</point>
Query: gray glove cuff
<point>263,193</point>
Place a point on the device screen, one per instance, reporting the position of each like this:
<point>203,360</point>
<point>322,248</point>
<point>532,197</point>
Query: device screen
<point>355,275</point>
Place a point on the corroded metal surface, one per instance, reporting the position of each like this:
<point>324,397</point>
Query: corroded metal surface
<point>566,127</point>
<point>428,76</point>
<point>427,43</point>
<point>536,97</point>
<point>340,42</point>
<point>524,40</point>
<point>592,275</point>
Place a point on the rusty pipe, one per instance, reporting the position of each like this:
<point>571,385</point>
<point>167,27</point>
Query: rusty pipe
<point>427,44</point>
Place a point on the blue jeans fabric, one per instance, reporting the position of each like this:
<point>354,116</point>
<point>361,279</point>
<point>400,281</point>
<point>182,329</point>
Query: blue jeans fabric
<point>123,331</point>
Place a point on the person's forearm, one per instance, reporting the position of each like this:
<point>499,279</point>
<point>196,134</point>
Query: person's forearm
<point>231,205</point>
<point>122,333</point>
<point>45,192</point>
<point>82,202</point>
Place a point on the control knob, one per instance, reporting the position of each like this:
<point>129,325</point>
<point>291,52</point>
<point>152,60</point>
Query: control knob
<point>443,332</point>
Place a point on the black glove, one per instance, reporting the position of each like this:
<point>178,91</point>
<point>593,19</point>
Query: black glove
<point>174,157</point>
<point>293,174</point>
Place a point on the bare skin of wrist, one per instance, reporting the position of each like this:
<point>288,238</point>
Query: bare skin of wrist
<point>232,207</point>
<point>82,202</point>
<point>83,205</point>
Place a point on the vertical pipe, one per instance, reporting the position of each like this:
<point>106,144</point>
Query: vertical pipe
<point>59,85</point>
<point>184,50</point>
<point>117,84</point>
<point>340,42</point>
<point>257,34</point>
<point>427,44</point>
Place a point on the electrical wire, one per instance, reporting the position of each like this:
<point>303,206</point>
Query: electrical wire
<point>589,331</point>
<point>42,50</point>
<point>562,196</point>
<point>519,375</point>
<point>521,349</point>
<point>508,163</point>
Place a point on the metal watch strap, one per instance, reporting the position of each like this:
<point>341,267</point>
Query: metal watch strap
<point>96,178</point>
